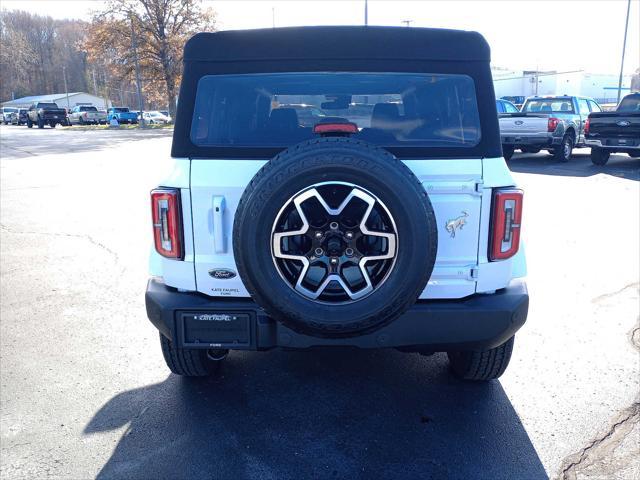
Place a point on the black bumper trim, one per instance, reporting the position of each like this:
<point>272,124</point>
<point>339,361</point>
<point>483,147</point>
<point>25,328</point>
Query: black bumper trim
<point>476,322</point>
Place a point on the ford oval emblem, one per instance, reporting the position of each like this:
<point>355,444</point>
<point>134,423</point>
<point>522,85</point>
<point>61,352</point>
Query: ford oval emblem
<point>623,123</point>
<point>222,273</point>
<point>519,122</point>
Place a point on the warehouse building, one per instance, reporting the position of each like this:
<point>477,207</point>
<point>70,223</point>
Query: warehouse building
<point>64,100</point>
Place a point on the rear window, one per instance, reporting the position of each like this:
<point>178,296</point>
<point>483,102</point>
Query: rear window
<point>629,104</point>
<point>390,109</point>
<point>121,110</point>
<point>549,105</point>
<point>88,109</point>
<point>47,105</point>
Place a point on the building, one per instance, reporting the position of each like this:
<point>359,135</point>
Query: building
<point>601,87</point>
<point>63,100</point>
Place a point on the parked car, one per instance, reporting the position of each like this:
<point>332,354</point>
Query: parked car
<point>19,117</point>
<point>87,115</point>
<point>403,234</point>
<point>505,106</point>
<point>155,117</point>
<point>553,123</point>
<point>122,115</point>
<point>5,114</point>
<point>517,100</point>
<point>45,113</point>
<point>611,132</point>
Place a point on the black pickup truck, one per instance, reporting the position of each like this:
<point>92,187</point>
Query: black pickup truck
<point>45,113</point>
<point>611,132</point>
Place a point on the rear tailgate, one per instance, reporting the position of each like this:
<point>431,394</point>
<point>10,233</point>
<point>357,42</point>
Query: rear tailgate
<point>523,124</point>
<point>615,125</point>
<point>454,187</point>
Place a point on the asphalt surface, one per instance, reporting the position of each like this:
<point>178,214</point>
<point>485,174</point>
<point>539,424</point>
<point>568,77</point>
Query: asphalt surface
<point>84,391</point>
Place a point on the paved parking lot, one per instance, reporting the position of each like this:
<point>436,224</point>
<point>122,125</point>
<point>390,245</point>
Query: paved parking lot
<point>84,391</point>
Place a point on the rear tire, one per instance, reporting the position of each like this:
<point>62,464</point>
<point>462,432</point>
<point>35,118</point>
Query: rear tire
<point>52,124</point>
<point>481,365</point>
<point>599,156</point>
<point>40,123</point>
<point>191,362</point>
<point>29,123</point>
<point>562,152</point>
<point>633,155</point>
<point>507,152</point>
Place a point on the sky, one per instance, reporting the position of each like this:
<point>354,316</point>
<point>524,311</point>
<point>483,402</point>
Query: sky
<point>561,35</point>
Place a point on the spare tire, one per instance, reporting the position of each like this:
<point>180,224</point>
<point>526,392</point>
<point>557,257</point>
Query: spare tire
<point>335,237</point>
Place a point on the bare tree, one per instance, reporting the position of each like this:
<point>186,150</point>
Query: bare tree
<point>161,27</point>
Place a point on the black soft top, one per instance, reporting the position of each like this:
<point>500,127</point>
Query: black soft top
<point>339,49</point>
<point>338,43</point>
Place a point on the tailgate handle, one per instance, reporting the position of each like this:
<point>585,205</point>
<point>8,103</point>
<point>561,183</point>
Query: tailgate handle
<point>219,239</point>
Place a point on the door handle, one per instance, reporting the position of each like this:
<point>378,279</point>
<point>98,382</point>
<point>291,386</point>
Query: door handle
<point>219,237</point>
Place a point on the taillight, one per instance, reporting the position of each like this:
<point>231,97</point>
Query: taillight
<point>586,127</point>
<point>167,224</point>
<point>552,124</point>
<point>506,216</point>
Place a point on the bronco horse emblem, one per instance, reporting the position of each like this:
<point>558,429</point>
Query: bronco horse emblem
<point>457,223</point>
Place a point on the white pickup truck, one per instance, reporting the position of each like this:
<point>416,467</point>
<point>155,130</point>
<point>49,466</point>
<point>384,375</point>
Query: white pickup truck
<point>554,123</point>
<point>87,115</point>
<point>398,230</point>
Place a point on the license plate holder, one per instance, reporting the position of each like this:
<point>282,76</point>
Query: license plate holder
<point>215,329</point>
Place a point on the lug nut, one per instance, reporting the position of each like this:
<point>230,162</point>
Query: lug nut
<point>318,251</point>
<point>349,252</point>
<point>349,235</point>
<point>333,225</point>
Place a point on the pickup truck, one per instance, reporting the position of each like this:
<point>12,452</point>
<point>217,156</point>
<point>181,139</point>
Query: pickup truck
<point>379,222</point>
<point>554,123</point>
<point>122,115</point>
<point>45,113</point>
<point>619,131</point>
<point>87,114</point>
<point>5,114</point>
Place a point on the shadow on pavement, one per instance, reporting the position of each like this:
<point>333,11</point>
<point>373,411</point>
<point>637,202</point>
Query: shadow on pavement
<point>319,414</point>
<point>619,165</point>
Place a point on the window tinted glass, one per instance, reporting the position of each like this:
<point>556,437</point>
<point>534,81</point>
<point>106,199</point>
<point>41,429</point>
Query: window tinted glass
<point>584,107</point>
<point>549,105</point>
<point>88,109</point>
<point>594,106</point>
<point>393,109</point>
<point>629,104</point>
<point>47,105</point>
<point>121,109</point>
<point>510,108</point>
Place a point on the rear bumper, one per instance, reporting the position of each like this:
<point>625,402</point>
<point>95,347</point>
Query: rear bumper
<point>530,140</point>
<point>615,144</point>
<point>475,322</point>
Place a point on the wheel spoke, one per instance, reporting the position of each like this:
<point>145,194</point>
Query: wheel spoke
<point>334,274</point>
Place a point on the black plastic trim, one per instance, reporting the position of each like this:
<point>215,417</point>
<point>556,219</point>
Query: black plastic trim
<point>476,322</point>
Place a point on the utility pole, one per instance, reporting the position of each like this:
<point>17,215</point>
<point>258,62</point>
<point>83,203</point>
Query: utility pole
<point>137,67</point>
<point>624,46</point>
<point>366,13</point>
<point>407,23</point>
<point>273,17</point>
<point>66,91</point>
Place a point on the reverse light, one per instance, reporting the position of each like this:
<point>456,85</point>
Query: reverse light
<point>552,124</point>
<point>167,223</point>
<point>506,218</point>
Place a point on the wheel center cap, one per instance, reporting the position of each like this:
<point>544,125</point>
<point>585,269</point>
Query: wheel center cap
<point>335,246</point>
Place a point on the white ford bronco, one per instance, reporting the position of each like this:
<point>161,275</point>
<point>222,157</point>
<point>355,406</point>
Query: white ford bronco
<point>337,186</point>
